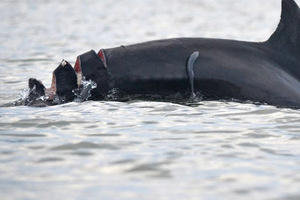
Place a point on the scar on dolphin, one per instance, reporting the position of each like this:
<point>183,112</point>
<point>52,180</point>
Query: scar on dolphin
<point>190,71</point>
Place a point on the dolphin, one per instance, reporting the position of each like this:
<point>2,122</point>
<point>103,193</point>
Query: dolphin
<point>214,69</point>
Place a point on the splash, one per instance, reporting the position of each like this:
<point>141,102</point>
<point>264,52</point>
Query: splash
<point>84,93</point>
<point>23,98</point>
<point>81,94</point>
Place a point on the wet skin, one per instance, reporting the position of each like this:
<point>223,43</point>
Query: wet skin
<point>265,72</point>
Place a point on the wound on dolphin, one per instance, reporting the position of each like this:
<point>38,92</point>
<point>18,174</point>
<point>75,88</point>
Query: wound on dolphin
<point>172,69</point>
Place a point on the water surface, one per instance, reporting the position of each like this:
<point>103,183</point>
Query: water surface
<point>138,149</point>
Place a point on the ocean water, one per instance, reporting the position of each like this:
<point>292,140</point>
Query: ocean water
<point>137,149</point>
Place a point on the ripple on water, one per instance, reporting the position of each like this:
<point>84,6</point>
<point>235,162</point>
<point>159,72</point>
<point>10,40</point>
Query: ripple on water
<point>50,160</point>
<point>85,145</point>
<point>103,135</point>
<point>155,170</point>
<point>25,135</point>
<point>260,134</point>
<point>275,152</point>
<point>137,149</point>
<point>248,144</point>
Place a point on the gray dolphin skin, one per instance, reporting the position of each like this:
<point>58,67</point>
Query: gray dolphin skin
<point>214,69</point>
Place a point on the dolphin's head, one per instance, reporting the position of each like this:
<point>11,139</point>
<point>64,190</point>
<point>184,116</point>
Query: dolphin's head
<point>87,80</point>
<point>35,96</point>
<point>36,89</point>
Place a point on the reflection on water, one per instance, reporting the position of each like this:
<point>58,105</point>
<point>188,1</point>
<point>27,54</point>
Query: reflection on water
<point>138,149</point>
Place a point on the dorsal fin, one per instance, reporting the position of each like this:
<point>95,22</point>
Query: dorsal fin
<point>287,35</point>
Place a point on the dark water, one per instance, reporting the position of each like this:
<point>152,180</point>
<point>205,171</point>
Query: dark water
<point>139,149</point>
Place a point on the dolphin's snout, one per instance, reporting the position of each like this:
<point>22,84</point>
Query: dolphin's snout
<point>36,88</point>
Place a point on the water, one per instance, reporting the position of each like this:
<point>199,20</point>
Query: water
<point>139,149</point>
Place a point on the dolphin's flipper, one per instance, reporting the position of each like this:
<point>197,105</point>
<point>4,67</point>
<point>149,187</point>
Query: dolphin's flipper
<point>190,71</point>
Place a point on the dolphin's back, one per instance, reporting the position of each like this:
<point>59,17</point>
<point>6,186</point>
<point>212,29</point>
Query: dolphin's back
<point>224,69</point>
<point>266,72</point>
